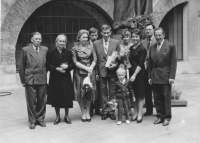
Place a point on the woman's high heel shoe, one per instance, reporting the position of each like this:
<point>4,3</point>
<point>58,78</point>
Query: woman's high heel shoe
<point>140,121</point>
<point>67,120</point>
<point>88,120</point>
<point>57,121</point>
<point>134,119</point>
<point>84,120</point>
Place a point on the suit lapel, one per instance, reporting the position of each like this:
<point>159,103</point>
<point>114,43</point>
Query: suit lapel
<point>162,49</point>
<point>102,48</point>
<point>33,53</point>
<point>39,56</point>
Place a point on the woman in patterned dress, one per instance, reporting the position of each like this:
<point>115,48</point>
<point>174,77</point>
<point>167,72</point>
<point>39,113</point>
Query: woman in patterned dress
<point>84,58</point>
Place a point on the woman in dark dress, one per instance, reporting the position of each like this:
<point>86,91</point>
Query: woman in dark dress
<point>84,59</point>
<point>60,88</point>
<point>137,74</point>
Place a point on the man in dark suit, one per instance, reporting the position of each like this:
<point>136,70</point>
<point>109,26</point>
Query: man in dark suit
<point>162,71</point>
<point>93,35</point>
<point>147,43</point>
<point>32,71</point>
<point>107,75</point>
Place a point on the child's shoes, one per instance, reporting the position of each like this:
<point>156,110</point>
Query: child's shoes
<point>119,122</point>
<point>128,122</point>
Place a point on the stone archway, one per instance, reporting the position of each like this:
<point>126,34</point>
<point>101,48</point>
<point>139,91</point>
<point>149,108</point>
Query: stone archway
<point>162,7</point>
<point>11,26</point>
<point>13,22</point>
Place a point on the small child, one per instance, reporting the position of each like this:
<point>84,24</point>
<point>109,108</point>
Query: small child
<point>123,92</point>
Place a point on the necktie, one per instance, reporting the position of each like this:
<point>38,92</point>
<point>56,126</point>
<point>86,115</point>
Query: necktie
<point>149,42</point>
<point>105,47</point>
<point>158,47</point>
<point>36,49</point>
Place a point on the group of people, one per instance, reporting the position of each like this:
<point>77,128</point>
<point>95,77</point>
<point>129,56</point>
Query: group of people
<point>141,68</point>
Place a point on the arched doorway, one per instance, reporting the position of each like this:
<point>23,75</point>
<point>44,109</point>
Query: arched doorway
<point>173,26</point>
<point>62,16</point>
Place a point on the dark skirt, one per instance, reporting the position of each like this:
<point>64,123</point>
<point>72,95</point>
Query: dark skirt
<point>78,93</point>
<point>60,94</point>
<point>139,85</point>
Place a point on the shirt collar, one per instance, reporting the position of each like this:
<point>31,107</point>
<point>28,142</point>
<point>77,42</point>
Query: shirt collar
<point>123,81</point>
<point>91,43</point>
<point>162,42</point>
<point>35,48</point>
<point>107,40</point>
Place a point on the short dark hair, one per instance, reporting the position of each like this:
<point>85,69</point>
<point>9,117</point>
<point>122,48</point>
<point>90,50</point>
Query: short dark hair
<point>137,32</point>
<point>125,33</point>
<point>149,24</point>
<point>35,33</point>
<point>105,27</point>
<point>160,28</point>
<point>93,30</point>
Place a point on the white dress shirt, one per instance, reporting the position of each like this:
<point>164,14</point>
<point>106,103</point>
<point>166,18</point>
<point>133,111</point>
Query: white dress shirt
<point>159,45</point>
<point>106,44</point>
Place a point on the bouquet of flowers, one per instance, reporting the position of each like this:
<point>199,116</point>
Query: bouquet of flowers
<point>124,56</point>
<point>111,59</point>
<point>87,85</point>
<point>110,105</point>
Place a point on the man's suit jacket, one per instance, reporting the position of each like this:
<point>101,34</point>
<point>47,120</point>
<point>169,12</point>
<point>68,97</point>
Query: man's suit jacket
<point>162,64</point>
<point>32,67</point>
<point>102,71</point>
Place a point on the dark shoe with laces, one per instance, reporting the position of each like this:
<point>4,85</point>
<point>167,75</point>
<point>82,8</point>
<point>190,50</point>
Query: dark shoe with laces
<point>57,121</point>
<point>166,123</point>
<point>42,124</point>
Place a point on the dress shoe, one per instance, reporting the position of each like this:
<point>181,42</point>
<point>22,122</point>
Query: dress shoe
<point>42,124</point>
<point>134,119</point>
<point>57,121</point>
<point>83,120</point>
<point>112,117</point>
<point>67,120</point>
<point>88,120</point>
<point>158,121</point>
<point>147,113</point>
<point>104,117</point>
<point>32,126</point>
<point>166,123</point>
<point>140,121</point>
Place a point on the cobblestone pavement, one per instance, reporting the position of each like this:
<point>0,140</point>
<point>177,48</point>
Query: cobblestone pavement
<point>184,126</point>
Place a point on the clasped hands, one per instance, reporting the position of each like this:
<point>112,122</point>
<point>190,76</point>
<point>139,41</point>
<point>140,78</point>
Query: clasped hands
<point>62,68</point>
